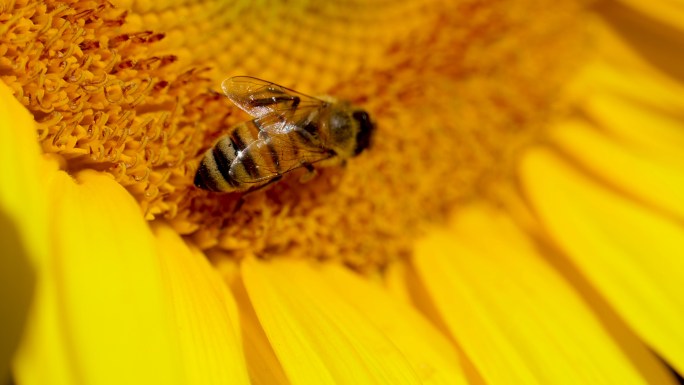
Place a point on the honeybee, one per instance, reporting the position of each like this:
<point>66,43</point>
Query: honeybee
<point>289,130</point>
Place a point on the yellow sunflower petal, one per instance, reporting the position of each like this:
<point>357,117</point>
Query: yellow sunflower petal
<point>318,337</point>
<point>205,313</point>
<point>23,220</point>
<point>101,315</point>
<point>630,254</point>
<point>22,174</point>
<point>430,354</point>
<point>657,183</point>
<point>657,135</point>
<point>514,316</point>
<point>668,13</point>
<point>395,281</point>
<point>264,367</point>
<point>654,90</point>
<point>628,40</point>
<point>16,289</point>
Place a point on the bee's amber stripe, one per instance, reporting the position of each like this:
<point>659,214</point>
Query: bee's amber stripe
<point>298,138</point>
<point>266,155</point>
<point>272,151</point>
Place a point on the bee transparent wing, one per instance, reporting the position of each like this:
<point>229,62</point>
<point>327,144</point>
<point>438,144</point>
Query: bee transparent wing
<point>260,98</point>
<point>282,122</point>
<point>280,154</point>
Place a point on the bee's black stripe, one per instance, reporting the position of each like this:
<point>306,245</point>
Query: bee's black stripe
<point>271,150</point>
<point>223,164</point>
<point>204,179</point>
<point>246,156</point>
<point>236,141</point>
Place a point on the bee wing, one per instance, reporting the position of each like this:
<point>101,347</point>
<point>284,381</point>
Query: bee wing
<point>260,98</point>
<point>282,122</point>
<point>280,154</point>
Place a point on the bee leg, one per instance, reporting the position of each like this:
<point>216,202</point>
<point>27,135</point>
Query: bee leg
<point>238,205</point>
<point>311,173</point>
<point>309,167</point>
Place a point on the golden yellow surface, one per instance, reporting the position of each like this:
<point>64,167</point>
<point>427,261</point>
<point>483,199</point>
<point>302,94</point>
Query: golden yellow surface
<point>518,218</point>
<point>455,90</point>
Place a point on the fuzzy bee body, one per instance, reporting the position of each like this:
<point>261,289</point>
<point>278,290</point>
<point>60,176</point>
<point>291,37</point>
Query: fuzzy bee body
<point>290,130</point>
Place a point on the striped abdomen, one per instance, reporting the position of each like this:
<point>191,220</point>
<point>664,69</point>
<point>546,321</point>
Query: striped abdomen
<point>239,161</point>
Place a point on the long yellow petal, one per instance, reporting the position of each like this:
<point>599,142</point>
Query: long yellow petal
<point>652,90</point>
<point>666,12</point>
<point>22,174</point>
<point>16,289</point>
<point>205,313</point>
<point>318,337</point>
<point>430,354</point>
<point>628,40</point>
<point>629,253</point>
<point>395,278</point>
<point>23,219</point>
<point>264,367</point>
<point>101,315</point>
<point>514,316</point>
<point>654,133</point>
<point>656,182</point>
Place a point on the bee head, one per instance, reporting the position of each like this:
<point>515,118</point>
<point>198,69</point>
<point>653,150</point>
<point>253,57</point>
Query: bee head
<point>349,130</point>
<point>365,130</point>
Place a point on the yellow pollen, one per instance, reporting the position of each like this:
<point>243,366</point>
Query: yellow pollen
<point>455,90</point>
<point>102,101</point>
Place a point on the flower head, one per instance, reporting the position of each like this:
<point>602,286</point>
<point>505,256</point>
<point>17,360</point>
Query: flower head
<point>480,226</point>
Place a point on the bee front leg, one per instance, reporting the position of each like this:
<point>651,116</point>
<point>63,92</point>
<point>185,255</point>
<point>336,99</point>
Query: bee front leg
<point>311,173</point>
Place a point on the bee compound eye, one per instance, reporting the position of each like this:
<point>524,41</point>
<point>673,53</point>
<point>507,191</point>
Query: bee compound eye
<point>366,128</point>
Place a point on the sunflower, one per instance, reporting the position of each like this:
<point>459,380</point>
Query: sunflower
<point>518,218</point>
